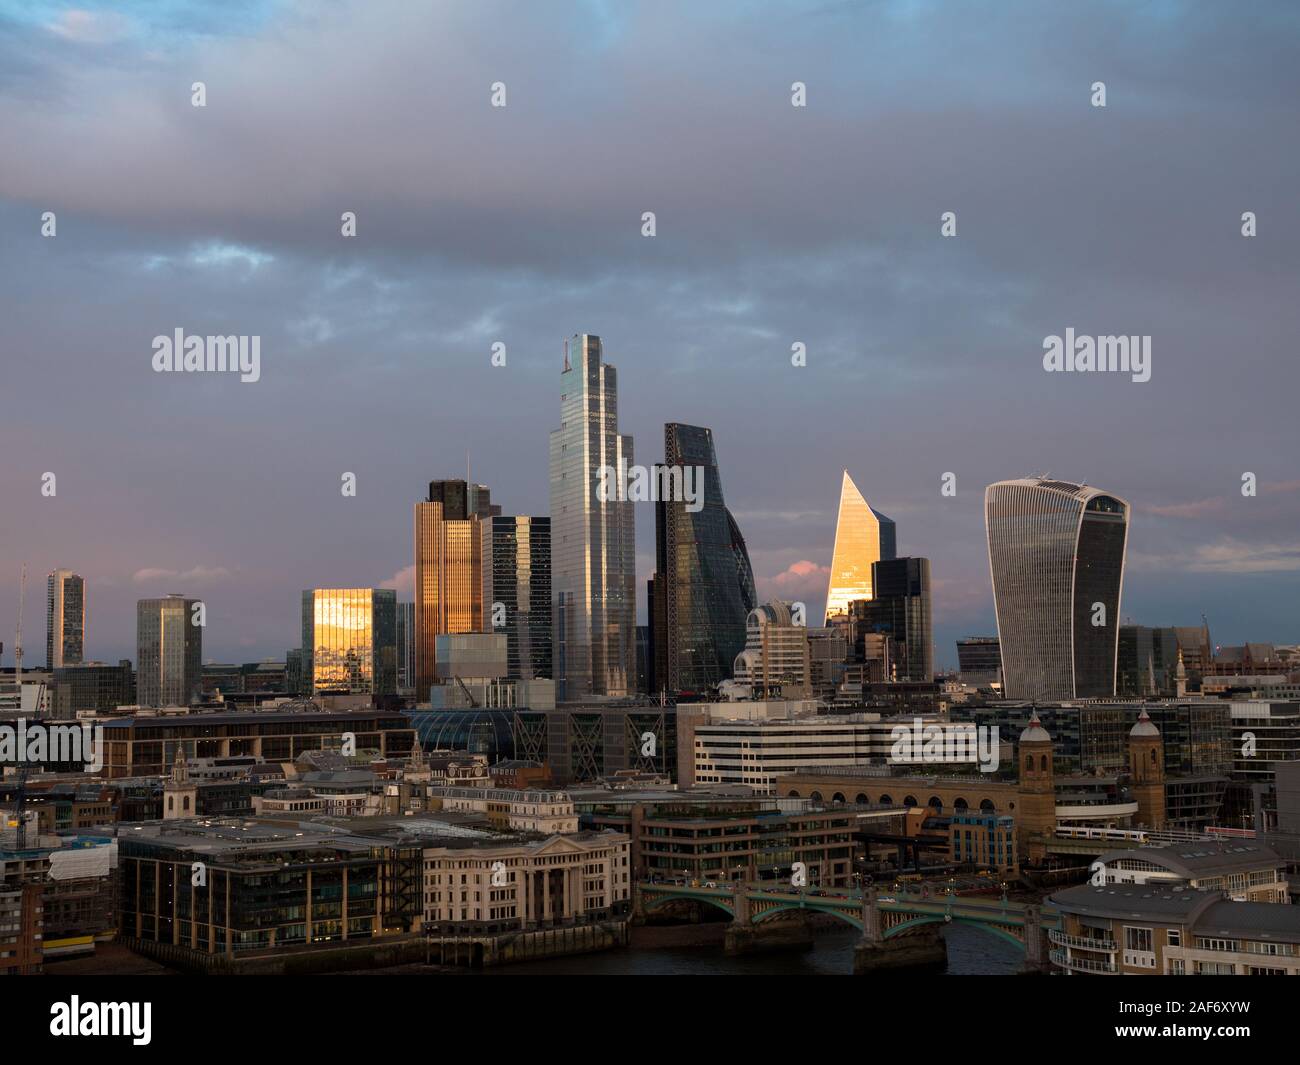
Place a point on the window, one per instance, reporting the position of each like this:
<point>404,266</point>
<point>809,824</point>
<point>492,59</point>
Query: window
<point>1138,939</point>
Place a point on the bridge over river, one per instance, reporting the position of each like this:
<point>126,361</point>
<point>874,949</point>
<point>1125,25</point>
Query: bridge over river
<point>898,929</point>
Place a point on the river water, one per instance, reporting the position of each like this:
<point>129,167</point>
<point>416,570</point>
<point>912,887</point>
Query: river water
<point>971,952</point>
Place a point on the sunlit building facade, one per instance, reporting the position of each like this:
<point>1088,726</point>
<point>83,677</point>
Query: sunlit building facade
<point>65,619</point>
<point>1056,555</point>
<point>863,536</point>
<point>168,651</point>
<point>448,570</point>
<point>593,550</point>
<point>349,639</point>
<point>703,588</point>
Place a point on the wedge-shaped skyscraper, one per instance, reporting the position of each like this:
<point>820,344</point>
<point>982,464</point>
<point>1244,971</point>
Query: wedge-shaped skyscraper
<point>1056,554</point>
<point>862,536</point>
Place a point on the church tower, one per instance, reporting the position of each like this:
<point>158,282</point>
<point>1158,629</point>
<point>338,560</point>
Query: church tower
<point>1036,816</point>
<point>180,794</point>
<point>1146,765</point>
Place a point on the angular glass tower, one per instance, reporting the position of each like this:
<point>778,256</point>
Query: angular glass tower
<point>703,588</point>
<point>349,639</point>
<point>65,619</point>
<point>593,550</point>
<point>1056,556</point>
<point>863,536</point>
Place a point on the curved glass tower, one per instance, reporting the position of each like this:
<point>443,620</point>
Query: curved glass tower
<point>1056,556</point>
<point>704,586</point>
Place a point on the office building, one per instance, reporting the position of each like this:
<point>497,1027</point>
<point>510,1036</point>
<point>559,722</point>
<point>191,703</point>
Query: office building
<point>1144,930</point>
<point>777,658</point>
<point>349,636</point>
<point>979,659</point>
<point>93,686</point>
<point>148,745</point>
<point>169,651</point>
<point>863,536</point>
<point>900,609</point>
<point>448,569</point>
<point>406,648</point>
<point>703,588</point>
<point>1056,553</point>
<point>1147,662</point>
<point>593,548</point>
<point>65,619</point>
<point>517,591</point>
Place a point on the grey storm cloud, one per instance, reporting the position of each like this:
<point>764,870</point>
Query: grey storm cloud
<point>775,225</point>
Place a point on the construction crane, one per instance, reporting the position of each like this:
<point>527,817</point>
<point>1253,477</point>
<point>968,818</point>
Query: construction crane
<point>18,641</point>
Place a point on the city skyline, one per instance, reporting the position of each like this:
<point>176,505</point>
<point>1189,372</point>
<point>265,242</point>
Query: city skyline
<point>911,339</point>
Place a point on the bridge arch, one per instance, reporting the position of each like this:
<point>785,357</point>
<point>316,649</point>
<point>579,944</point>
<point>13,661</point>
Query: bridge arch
<point>794,907</point>
<point>913,923</point>
<point>656,900</point>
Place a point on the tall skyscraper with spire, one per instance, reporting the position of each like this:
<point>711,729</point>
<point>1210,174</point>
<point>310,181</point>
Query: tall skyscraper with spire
<point>593,550</point>
<point>863,536</point>
<point>1056,556</point>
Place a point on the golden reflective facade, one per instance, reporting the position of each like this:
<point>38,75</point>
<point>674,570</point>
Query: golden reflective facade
<point>448,584</point>
<point>862,536</point>
<point>350,635</point>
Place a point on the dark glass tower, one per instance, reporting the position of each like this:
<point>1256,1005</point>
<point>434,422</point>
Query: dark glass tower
<point>703,588</point>
<point>517,590</point>
<point>900,609</point>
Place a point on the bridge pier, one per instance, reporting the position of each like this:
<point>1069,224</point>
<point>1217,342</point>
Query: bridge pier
<point>744,937</point>
<point>923,948</point>
<point>1036,963</point>
<point>789,933</point>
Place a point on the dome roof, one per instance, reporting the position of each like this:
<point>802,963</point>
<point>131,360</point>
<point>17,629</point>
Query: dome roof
<point>1144,727</point>
<point>1035,733</point>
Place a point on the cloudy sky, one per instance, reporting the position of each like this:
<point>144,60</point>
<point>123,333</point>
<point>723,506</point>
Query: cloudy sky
<point>775,225</point>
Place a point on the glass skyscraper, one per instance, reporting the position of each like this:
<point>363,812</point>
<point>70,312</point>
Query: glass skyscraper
<point>169,652</point>
<point>349,639</point>
<point>405,647</point>
<point>593,550</point>
<point>1056,555</point>
<point>517,590</point>
<point>703,589</point>
<point>448,570</point>
<point>900,610</point>
<point>65,619</point>
<point>863,536</point>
